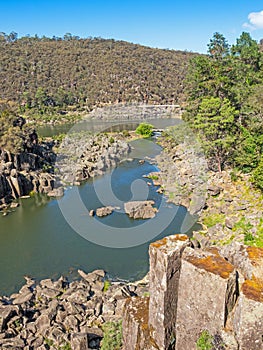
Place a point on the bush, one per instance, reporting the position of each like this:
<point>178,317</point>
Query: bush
<point>145,130</point>
<point>112,338</point>
<point>126,133</point>
<point>205,341</point>
<point>257,175</point>
<point>106,286</point>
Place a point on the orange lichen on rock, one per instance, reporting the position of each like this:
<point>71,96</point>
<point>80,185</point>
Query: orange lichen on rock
<point>173,239</point>
<point>139,310</point>
<point>253,289</point>
<point>213,263</point>
<point>160,243</point>
<point>255,254</point>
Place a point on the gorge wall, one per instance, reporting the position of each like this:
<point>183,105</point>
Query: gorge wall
<point>217,290</point>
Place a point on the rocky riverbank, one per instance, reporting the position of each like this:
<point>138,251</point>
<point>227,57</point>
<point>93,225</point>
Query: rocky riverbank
<point>135,112</point>
<point>64,315</point>
<point>228,206</point>
<point>41,170</point>
<point>183,173</point>
<point>233,211</point>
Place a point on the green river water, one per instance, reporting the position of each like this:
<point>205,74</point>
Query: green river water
<point>38,240</point>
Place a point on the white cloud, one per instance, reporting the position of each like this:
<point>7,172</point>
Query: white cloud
<point>255,21</point>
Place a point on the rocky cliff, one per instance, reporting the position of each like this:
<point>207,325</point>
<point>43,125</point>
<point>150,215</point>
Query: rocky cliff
<point>21,173</point>
<point>211,291</point>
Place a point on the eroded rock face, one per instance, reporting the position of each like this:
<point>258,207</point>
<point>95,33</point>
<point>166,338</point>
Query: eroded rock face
<point>28,171</point>
<point>140,209</point>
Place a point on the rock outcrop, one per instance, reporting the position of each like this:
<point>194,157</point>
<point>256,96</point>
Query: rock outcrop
<point>140,209</point>
<point>165,265</point>
<point>27,171</point>
<point>81,158</point>
<point>194,290</point>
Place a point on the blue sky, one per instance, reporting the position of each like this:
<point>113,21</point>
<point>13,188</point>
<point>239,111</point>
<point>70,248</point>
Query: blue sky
<point>180,25</point>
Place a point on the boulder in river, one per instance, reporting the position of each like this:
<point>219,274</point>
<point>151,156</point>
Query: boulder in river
<point>140,209</point>
<point>104,211</point>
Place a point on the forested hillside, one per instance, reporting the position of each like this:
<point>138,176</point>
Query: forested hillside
<point>45,75</point>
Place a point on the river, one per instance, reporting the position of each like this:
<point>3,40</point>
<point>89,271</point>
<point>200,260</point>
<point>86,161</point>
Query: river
<point>38,240</point>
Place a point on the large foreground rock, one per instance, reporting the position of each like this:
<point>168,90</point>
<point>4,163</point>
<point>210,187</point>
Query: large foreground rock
<point>207,294</point>
<point>140,209</point>
<point>248,313</point>
<point>165,266</point>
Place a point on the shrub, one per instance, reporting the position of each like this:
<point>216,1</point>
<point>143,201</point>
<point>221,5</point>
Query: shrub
<point>106,285</point>
<point>126,133</point>
<point>145,130</point>
<point>257,175</point>
<point>205,341</point>
<point>111,140</point>
<point>112,338</point>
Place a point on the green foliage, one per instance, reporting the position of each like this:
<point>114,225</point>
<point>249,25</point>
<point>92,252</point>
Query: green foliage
<point>95,71</point>
<point>145,130</point>
<point>59,137</point>
<point>234,175</point>
<point>153,177</point>
<point>214,123</point>
<point>112,338</point>
<point>126,133</point>
<point>225,106</point>
<point>48,342</point>
<point>214,219</point>
<point>257,175</point>
<point>244,227</point>
<point>205,341</point>
<point>106,286</point>
<point>218,47</point>
<point>12,138</point>
<point>66,346</point>
<point>247,151</point>
<point>111,140</point>
<point>259,235</point>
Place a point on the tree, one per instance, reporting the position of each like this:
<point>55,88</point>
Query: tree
<point>247,50</point>
<point>218,47</point>
<point>145,130</point>
<point>215,124</point>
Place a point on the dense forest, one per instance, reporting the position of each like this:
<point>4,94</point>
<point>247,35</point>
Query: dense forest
<point>225,104</point>
<point>48,75</point>
<point>222,91</point>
